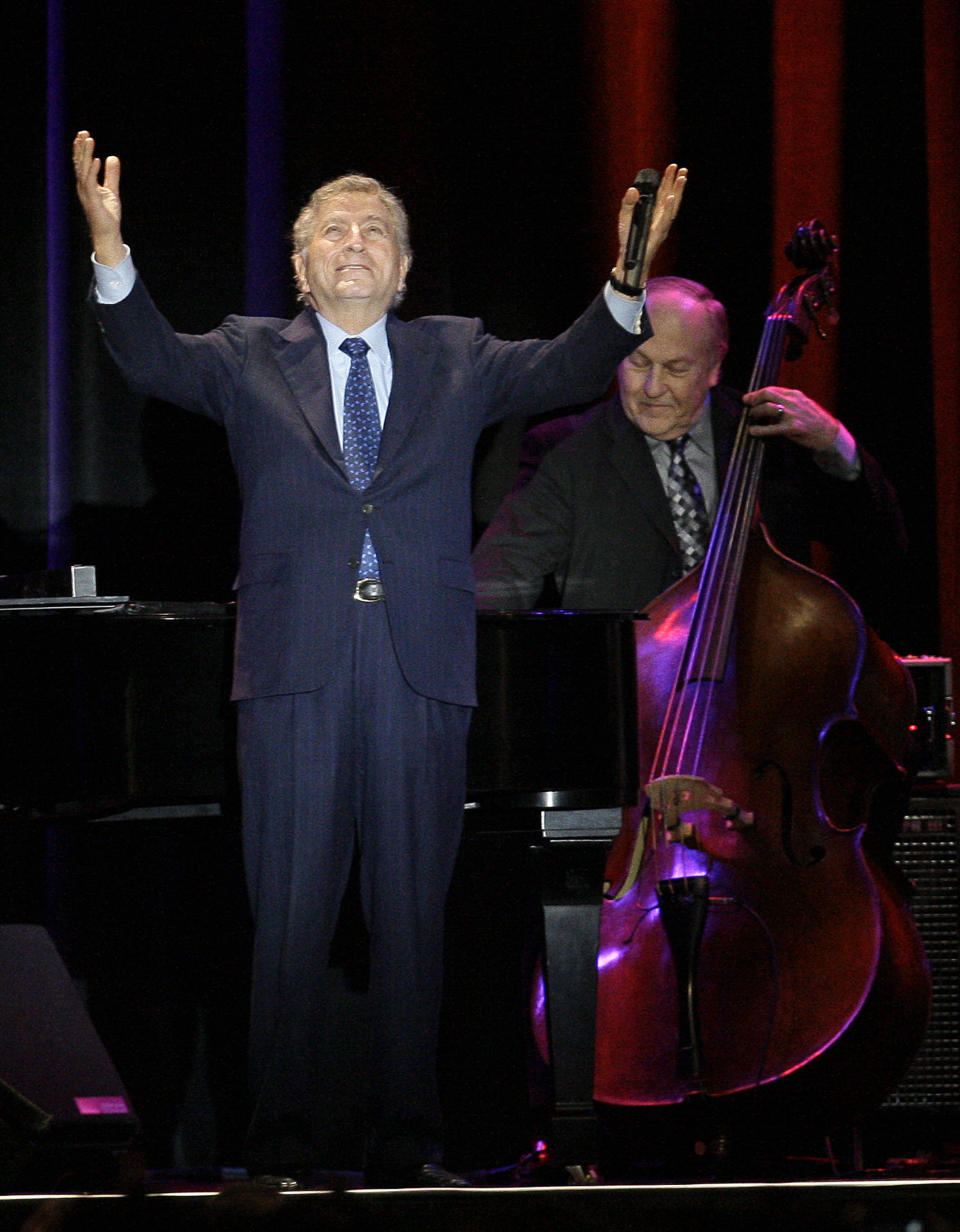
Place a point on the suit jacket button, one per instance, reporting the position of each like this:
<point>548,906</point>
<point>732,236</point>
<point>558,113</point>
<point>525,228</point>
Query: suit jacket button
<point>353,563</point>
<point>367,508</point>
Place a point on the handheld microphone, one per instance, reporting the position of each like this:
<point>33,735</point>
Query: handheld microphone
<point>646,184</point>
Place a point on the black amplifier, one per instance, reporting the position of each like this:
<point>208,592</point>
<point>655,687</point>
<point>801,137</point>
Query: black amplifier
<point>928,852</point>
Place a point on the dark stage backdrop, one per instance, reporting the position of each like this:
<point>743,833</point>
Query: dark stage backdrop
<point>510,131</point>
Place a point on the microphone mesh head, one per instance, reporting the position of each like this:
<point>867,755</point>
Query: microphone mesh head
<point>647,180</point>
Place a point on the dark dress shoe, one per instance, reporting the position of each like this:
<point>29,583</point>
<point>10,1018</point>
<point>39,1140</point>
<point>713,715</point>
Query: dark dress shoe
<point>427,1176</point>
<point>432,1176</point>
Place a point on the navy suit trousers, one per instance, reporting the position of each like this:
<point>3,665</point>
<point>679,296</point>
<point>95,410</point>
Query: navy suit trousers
<point>365,762</point>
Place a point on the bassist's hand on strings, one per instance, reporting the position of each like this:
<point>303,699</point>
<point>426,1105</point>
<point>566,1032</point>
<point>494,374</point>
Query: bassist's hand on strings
<point>789,412</point>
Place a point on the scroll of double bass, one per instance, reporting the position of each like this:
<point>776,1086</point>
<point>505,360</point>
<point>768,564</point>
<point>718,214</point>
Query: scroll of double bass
<point>750,945</point>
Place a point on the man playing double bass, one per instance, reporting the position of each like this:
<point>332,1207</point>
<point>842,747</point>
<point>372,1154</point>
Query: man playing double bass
<point>798,928</point>
<point>592,527</point>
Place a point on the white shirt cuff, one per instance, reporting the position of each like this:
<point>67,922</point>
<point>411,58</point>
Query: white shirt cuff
<point>626,310</point>
<point>112,283</point>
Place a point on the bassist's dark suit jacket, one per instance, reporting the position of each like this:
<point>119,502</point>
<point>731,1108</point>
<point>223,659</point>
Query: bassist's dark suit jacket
<point>594,518</point>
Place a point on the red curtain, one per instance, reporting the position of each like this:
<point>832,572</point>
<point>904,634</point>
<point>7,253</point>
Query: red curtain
<point>806,161</point>
<point>630,49</point>
<point>787,112</point>
<point>943,177</point>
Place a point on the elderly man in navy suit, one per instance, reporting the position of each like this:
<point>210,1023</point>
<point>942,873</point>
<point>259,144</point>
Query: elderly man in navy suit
<point>354,664</point>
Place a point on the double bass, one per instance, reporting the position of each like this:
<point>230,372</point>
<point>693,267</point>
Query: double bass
<point>758,963</point>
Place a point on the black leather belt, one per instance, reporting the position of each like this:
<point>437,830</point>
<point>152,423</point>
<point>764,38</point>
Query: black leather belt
<point>369,590</point>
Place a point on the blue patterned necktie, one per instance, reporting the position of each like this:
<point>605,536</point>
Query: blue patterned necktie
<point>361,435</point>
<point>687,506</point>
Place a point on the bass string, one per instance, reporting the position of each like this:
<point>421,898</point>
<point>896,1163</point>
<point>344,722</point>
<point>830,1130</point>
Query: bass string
<point>687,723</point>
<point>706,650</point>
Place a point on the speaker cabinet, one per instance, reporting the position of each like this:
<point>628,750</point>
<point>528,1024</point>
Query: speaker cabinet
<point>64,1112</point>
<point>928,852</point>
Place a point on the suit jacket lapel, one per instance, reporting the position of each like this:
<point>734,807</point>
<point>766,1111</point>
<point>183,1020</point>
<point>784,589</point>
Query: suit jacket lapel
<point>303,361</point>
<point>414,354</point>
<point>634,462</point>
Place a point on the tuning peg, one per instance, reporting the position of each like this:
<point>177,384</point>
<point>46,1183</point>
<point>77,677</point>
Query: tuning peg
<point>811,246</point>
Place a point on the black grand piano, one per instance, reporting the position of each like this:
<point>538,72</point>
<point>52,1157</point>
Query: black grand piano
<point>118,711</point>
<point>117,705</point>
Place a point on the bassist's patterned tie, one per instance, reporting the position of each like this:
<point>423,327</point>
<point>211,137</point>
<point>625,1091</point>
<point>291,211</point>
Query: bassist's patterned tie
<point>687,506</point>
<point>361,435</point>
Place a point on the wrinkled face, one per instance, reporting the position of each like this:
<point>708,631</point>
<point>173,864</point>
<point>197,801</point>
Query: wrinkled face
<point>353,261</point>
<point>664,383</point>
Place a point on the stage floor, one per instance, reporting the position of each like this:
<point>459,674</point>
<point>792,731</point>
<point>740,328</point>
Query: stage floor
<point>911,1204</point>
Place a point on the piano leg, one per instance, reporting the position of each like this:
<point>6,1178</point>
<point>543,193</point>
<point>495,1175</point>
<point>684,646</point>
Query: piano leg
<point>570,878</point>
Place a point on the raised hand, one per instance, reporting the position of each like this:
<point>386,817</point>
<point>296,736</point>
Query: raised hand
<point>100,201</point>
<point>665,209</point>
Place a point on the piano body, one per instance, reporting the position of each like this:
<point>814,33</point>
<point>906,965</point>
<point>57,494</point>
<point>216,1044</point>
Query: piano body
<point>116,706</point>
